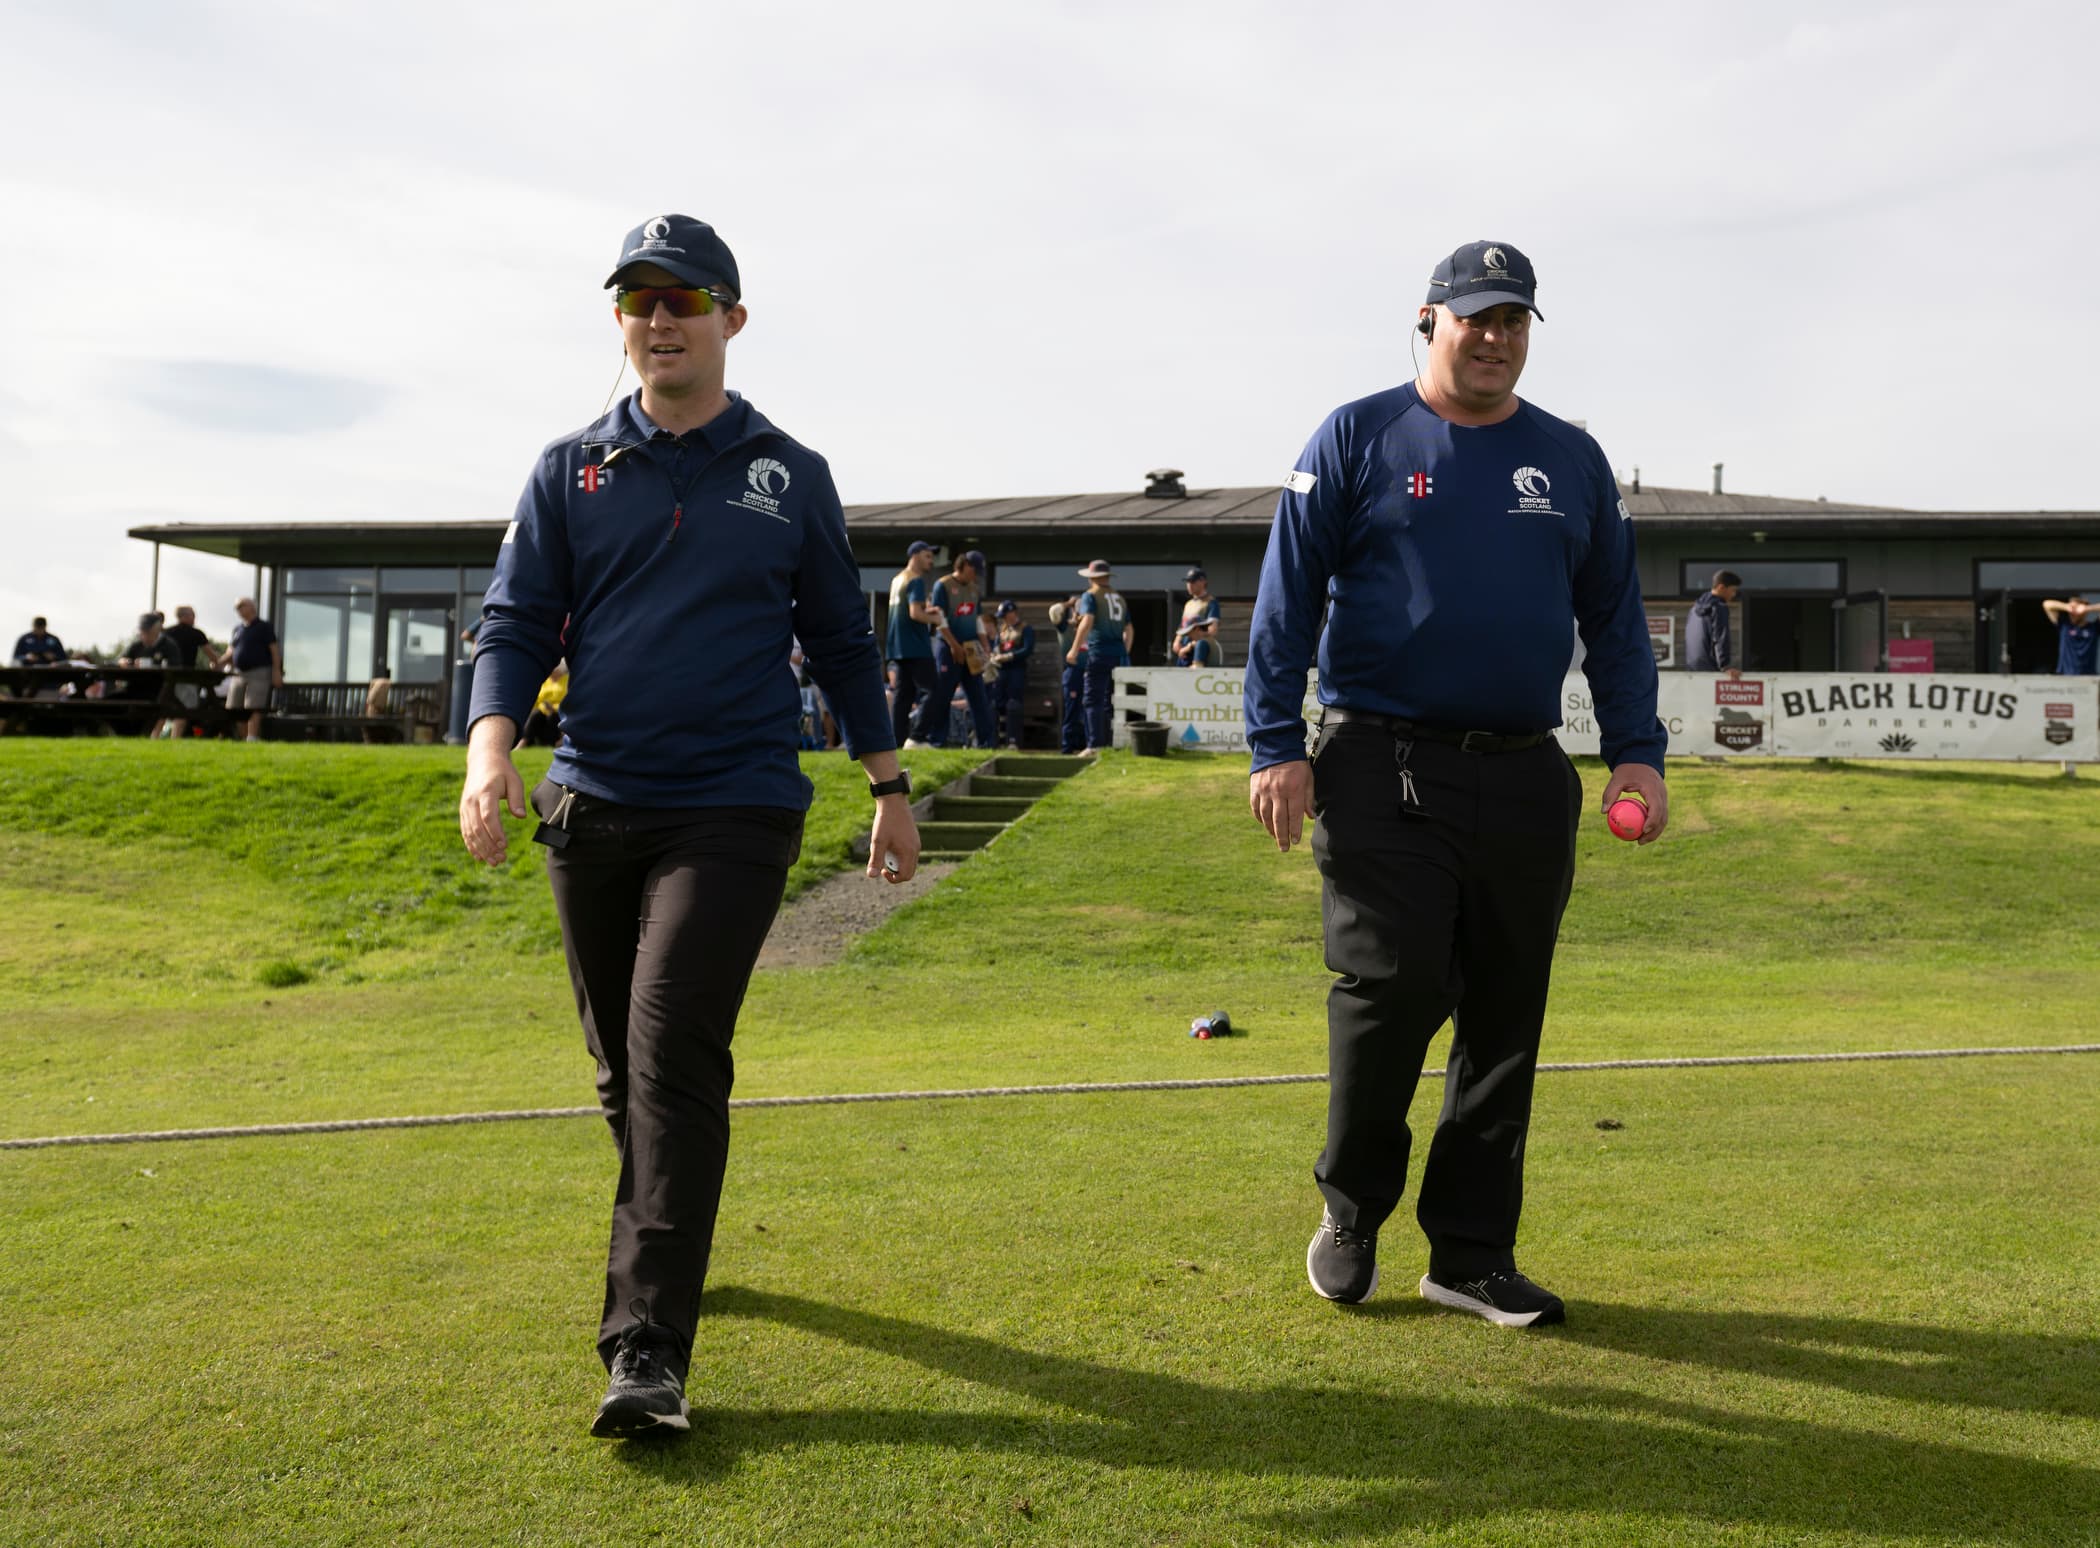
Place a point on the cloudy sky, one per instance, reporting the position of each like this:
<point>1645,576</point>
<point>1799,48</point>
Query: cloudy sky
<point>305,260</point>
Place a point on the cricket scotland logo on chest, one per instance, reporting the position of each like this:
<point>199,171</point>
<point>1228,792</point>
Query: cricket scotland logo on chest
<point>1534,493</point>
<point>768,479</point>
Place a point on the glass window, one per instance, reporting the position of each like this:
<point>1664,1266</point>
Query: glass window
<point>328,578</point>
<point>476,577</point>
<point>443,578</point>
<point>469,619</point>
<point>327,639</point>
<point>1767,574</point>
<point>2050,575</point>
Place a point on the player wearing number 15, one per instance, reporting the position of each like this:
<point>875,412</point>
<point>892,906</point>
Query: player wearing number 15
<point>681,527</point>
<point>1446,810</point>
<point>1101,644</point>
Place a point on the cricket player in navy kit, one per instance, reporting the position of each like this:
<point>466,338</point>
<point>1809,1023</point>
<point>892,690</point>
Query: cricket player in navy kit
<point>672,550</point>
<point>1455,537</point>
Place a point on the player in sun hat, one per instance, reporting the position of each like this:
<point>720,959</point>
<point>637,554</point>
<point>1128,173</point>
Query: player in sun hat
<point>671,818</point>
<point>1446,830</point>
<point>1100,644</point>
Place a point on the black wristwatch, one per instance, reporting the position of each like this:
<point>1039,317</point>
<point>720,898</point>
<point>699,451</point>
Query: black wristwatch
<point>901,785</point>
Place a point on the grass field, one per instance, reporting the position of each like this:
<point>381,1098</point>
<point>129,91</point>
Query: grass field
<point>1835,1304</point>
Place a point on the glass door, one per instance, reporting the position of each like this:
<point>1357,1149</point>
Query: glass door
<point>414,639</point>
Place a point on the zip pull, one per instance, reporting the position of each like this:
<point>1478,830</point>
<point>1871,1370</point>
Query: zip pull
<point>677,515</point>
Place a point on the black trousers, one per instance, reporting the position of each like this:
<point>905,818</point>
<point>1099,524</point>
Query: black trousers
<point>662,916</point>
<point>1444,876</point>
<point>917,679</point>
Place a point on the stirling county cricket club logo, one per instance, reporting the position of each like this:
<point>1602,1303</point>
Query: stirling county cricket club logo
<point>768,479</point>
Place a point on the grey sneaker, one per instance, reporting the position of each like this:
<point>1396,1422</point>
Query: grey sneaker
<point>647,1395</point>
<point>1504,1297</point>
<point>1342,1265</point>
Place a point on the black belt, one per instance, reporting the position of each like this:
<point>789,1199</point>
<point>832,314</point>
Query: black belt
<point>1415,731</point>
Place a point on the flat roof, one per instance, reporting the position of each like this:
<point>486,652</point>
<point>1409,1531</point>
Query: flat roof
<point>1242,511</point>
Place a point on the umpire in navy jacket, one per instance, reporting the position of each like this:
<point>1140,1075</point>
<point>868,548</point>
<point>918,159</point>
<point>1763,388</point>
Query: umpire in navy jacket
<point>1447,812</point>
<point>672,551</point>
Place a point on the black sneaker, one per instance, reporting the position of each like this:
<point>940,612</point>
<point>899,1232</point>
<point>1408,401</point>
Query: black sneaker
<point>1504,1297</point>
<point>647,1394</point>
<point>1342,1265</point>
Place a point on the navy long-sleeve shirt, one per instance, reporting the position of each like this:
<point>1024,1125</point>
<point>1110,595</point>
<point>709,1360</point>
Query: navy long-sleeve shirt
<point>1453,565</point>
<point>673,572</point>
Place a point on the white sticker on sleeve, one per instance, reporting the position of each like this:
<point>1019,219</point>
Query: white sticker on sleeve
<point>1624,514</point>
<point>1300,483</point>
<point>510,533</point>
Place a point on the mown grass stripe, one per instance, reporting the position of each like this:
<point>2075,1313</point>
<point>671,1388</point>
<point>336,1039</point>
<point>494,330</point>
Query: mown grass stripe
<point>1070,1088</point>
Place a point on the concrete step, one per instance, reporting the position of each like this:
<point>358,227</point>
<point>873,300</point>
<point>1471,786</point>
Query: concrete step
<point>947,808</point>
<point>1012,789</point>
<point>947,856</point>
<point>1038,765</point>
<point>958,835</point>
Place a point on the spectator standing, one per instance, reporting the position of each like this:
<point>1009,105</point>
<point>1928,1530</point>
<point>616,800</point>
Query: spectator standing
<point>958,653</point>
<point>1101,644</point>
<point>1707,647</point>
<point>1071,719</point>
<point>1196,641</point>
<point>192,646</point>
<point>672,809</point>
<point>2077,636</point>
<point>909,645</point>
<point>258,666</point>
<point>39,647</point>
<point>1015,644</point>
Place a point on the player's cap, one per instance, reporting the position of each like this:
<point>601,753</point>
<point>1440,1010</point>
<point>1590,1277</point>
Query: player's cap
<point>1484,274</point>
<point>149,621</point>
<point>1098,569</point>
<point>1003,609</point>
<point>918,548</point>
<point>975,560</point>
<point>1196,572</point>
<point>685,248</point>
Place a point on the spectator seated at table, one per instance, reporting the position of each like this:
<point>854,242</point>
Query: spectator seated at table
<point>39,647</point>
<point>151,647</point>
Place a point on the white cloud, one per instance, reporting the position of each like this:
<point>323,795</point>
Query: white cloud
<point>1021,249</point>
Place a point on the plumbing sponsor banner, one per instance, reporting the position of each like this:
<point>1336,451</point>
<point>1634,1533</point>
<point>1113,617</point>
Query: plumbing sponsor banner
<point>1864,715</point>
<point>1776,715</point>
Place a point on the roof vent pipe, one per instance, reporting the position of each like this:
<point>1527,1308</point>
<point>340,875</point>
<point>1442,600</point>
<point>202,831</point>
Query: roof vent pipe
<point>1717,478</point>
<point>1636,478</point>
<point>1164,484</point>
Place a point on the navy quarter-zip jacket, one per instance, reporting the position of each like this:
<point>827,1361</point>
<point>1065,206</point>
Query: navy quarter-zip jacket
<point>1451,566</point>
<point>673,572</point>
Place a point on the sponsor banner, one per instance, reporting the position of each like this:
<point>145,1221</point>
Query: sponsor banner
<point>1910,655</point>
<point>1864,715</point>
<point>1775,715</point>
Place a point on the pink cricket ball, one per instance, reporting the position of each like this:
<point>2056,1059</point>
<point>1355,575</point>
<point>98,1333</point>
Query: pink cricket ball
<point>1626,818</point>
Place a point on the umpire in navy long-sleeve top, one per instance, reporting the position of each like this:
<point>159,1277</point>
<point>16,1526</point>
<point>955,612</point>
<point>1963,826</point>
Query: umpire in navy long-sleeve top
<point>671,552</point>
<point>1454,537</point>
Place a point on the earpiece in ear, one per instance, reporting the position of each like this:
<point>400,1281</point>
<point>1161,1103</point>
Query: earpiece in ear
<point>1427,326</point>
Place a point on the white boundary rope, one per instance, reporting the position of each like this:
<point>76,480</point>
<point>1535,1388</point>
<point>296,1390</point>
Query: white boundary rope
<point>1072,1088</point>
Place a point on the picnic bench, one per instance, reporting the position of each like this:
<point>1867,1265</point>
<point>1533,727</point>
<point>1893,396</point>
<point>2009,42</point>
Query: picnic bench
<point>105,700</point>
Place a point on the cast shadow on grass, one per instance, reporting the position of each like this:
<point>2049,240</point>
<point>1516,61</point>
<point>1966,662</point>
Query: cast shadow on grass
<point>1430,1461</point>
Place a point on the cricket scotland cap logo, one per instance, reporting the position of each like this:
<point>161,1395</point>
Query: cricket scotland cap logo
<point>1496,262</point>
<point>658,228</point>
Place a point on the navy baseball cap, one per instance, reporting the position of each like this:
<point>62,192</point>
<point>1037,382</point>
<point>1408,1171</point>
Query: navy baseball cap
<point>683,247</point>
<point>920,547</point>
<point>975,560</point>
<point>1196,572</point>
<point>1484,274</point>
<point>1004,609</point>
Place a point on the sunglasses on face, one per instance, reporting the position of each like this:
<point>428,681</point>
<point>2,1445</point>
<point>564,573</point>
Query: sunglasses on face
<point>682,301</point>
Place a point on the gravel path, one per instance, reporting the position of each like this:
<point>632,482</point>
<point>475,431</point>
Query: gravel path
<point>817,927</point>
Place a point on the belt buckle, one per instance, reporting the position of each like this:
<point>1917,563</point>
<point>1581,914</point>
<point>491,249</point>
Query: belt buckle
<point>1465,743</point>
